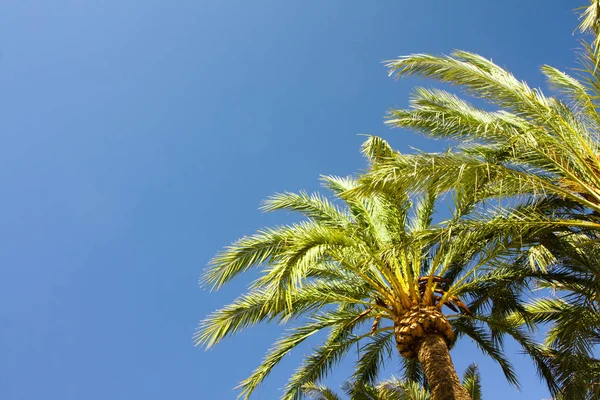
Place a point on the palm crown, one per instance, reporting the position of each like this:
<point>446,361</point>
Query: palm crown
<point>373,259</point>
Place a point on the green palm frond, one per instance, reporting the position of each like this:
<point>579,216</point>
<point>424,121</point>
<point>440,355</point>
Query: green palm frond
<point>576,375</point>
<point>412,371</point>
<point>480,77</point>
<point>394,388</point>
<point>268,303</point>
<point>391,389</point>
<point>244,254</point>
<point>437,113</point>
<point>465,173</point>
<point>317,365</point>
<point>536,145</point>
<point>423,212</point>
<point>376,149</point>
<point>575,326</point>
<point>488,345</point>
<point>373,356</point>
<point>590,23</point>
<point>314,206</point>
<point>576,93</point>
<point>339,340</point>
<point>589,74</point>
<point>318,392</point>
<point>472,382</point>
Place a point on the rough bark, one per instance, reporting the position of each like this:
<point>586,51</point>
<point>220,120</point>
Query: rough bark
<point>434,357</point>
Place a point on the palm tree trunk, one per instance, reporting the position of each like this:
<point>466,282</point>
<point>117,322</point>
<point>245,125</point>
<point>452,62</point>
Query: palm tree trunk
<point>434,357</point>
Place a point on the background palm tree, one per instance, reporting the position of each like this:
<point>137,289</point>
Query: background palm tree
<point>393,389</point>
<point>540,152</point>
<point>535,146</point>
<point>370,260</point>
<point>570,309</point>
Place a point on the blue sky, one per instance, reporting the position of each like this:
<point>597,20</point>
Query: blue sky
<point>138,138</point>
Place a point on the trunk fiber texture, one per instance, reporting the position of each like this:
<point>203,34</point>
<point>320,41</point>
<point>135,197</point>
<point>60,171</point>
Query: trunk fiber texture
<point>434,356</point>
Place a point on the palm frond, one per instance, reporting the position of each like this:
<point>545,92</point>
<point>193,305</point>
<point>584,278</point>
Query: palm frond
<point>395,389</point>
<point>373,356</point>
<point>339,339</point>
<point>478,76</point>
<point>575,91</point>
<point>487,345</point>
<point>375,149</point>
<point>590,23</point>
<point>319,392</point>
<point>472,382</point>
<point>314,206</point>
<point>317,365</point>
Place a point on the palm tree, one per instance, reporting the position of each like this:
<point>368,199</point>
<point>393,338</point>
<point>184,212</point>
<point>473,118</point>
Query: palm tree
<point>393,389</point>
<point>372,259</point>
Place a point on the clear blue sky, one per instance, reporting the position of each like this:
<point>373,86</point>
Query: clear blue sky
<point>138,138</point>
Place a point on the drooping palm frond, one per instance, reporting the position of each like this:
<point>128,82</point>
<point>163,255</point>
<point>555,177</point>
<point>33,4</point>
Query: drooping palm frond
<point>340,339</point>
<point>317,365</point>
<point>413,372</point>
<point>373,356</point>
<point>525,110</point>
<point>565,263</point>
<point>489,345</point>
